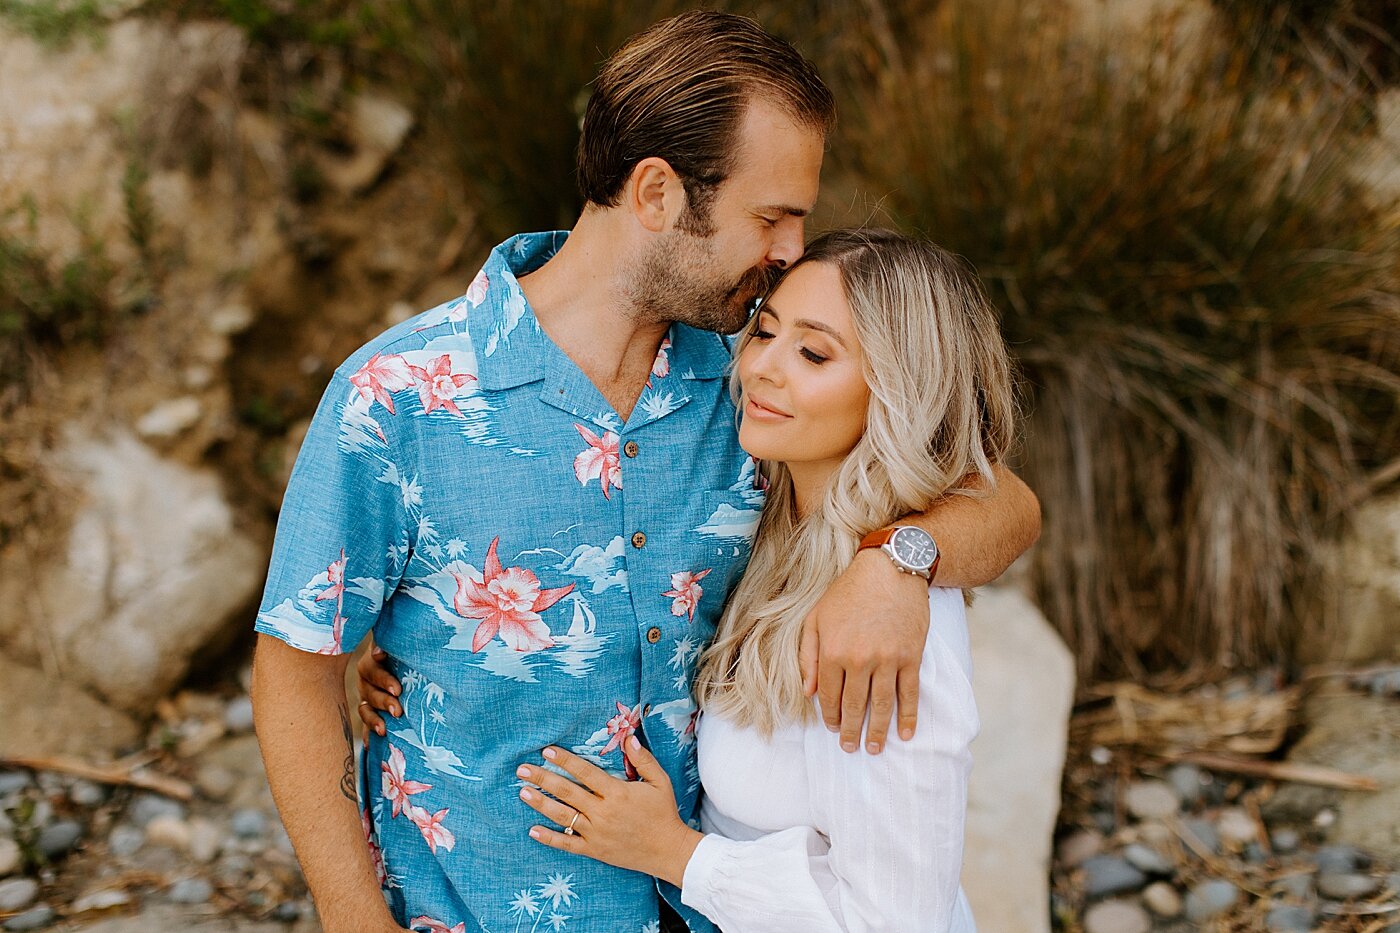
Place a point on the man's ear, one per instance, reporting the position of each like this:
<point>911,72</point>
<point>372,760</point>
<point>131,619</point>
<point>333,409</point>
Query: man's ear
<point>654,194</point>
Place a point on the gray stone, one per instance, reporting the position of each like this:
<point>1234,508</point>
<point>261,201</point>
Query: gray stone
<point>101,900</point>
<point>1210,899</point>
<point>1149,860</point>
<point>87,794</point>
<point>215,781</point>
<point>9,857</point>
<point>1236,827</point>
<point>1078,846</point>
<point>205,840</point>
<point>1343,886</point>
<point>170,417</point>
<point>238,715</point>
<point>1116,917</point>
<point>1187,781</point>
<point>1284,841</point>
<point>1204,832</point>
<point>168,831</point>
<point>1162,899</point>
<point>149,806</point>
<point>1254,853</point>
<point>125,841</point>
<point>12,782</point>
<point>1290,918</point>
<point>1299,887</point>
<point>191,891</point>
<point>1367,568</point>
<point>48,716</point>
<point>248,823</point>
<point>17,894</point>
<point>1338,859</point>
<point>1024,689</point>
<point>36,918</point>
<point>1151,800</point>
<point>1106,875</point>
<point>58,839</point>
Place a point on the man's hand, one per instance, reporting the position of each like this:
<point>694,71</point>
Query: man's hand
<point>863,642</point>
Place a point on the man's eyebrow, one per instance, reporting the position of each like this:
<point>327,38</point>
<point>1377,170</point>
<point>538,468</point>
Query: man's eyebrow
<point>785,209</point>
<point>767,307</point>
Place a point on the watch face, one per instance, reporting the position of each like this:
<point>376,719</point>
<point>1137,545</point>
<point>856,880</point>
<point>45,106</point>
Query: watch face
<point>914,547</point>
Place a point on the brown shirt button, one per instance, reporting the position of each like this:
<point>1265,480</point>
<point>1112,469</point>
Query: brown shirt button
<point>630,448</point>
<point>639,539</point>
<point>653,634</point>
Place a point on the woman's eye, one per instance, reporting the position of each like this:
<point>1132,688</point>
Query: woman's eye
<point>761,335</point>
<point>813,357</point>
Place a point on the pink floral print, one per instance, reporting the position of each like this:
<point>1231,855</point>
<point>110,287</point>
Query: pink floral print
<point>438,385</point>
<point>600,460</point>
<point>430,825</point>
<point>336,574</point>
<point>621,726</point>
<point>508,602</point>
<point>381,376</point>
<point>396,787</point>
<point>376,854</point>
<point>685,592</point>
<point>662,364</point>
<point>435,926</point>
<point>476,292</point>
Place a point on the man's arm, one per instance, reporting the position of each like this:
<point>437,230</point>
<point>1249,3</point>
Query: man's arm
<point>863,641</point>
<point>303,726</point>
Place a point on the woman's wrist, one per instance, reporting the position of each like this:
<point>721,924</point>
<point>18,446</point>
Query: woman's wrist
<point>676,852</point>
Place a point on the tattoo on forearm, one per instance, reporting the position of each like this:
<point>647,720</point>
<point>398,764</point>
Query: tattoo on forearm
<point>347,780</point>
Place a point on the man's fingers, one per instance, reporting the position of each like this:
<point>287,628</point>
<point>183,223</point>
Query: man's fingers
<point>830,680</point>
<point>882,701</point>
<point>853,700</point>
<point>908,690</point>
<point>807,652</point>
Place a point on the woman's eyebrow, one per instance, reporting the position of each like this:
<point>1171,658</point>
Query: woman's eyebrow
<point>818,325</point>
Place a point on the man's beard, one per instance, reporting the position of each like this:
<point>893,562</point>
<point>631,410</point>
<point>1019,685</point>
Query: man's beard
<point>669,285</point>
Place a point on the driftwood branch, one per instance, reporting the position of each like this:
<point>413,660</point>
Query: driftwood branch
<point>1288,771</point>
<point>118,773</point>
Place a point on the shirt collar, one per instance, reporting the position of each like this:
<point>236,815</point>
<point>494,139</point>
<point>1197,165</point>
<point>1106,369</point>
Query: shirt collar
<point>510,347</point>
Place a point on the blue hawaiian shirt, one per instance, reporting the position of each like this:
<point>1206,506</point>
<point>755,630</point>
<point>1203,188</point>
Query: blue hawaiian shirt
<point>538,571</point>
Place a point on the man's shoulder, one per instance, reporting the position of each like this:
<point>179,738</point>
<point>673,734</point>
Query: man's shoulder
<point>439,330</point>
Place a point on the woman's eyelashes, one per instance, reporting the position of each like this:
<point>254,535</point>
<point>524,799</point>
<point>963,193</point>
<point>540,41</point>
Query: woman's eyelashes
<point>810,356</point>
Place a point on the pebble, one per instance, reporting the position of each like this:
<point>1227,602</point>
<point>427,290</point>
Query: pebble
<point>101,900</point>
<point>1078,846</point>
<point>12,782</point>
<point>1284,841</point>
<point>149,806</point>
<point>1210,899</point>
<point>1343,886</point>
<point>1289,918</point>
<point>42,814</point>
<point>36,918</point>
<point>216,782</point>
<point>1205,833</point>
<point>1116,917</point>
<point>191,891</point>
<point>1151,800</point>
<point>7,825</point>
<point>1299,887</point>
<point>58,839</point>
<point>206,839</point>
<point>1187,781</point>
<point>1339,858</point>
<point>248,823</point>
<point>87,794</point>
<point>17,894</point>
<point>1148,860</point>
<point>1105,875</point>
<point>1162,899</point>
<point>169,831</point>
<point>125,840</point>
<point>9,857</point>
<point>238,715</point>
<point>1236,827</point>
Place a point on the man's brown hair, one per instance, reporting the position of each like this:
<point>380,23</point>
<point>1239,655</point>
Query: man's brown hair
<point>677,91</point>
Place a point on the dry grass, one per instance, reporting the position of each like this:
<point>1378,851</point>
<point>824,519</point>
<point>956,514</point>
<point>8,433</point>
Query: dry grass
<point>1204,304</point>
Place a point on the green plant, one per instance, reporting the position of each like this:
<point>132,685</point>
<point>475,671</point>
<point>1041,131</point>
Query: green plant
<point>54,23</point>
<point>1203,303</point>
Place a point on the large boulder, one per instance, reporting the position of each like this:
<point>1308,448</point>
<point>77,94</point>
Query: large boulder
<point>45,716</point>
<point>151,569</point>
<point>1024,680</point>
<point>1367,565</point>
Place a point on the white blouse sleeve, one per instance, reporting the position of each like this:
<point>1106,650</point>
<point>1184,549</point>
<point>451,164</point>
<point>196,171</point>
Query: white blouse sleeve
<point>888,855</point>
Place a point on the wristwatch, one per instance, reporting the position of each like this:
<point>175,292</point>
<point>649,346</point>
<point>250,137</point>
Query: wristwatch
<point>911,548</point>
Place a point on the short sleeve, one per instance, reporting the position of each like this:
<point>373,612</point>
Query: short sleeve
<point>342,535</point>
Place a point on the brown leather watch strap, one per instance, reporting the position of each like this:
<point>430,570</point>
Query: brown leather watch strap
<point>877,538</point>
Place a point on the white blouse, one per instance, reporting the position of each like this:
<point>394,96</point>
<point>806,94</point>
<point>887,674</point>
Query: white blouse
<point>803,837</point>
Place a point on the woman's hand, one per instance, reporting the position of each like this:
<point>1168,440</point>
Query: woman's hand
<point>630,824</point>
<point>378,689</point>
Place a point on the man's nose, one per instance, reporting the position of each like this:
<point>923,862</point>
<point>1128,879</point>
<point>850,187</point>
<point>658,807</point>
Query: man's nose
<point>787,244</point>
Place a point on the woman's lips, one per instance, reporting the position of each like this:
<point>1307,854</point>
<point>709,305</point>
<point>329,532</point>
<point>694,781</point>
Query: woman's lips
<point>754,409</point>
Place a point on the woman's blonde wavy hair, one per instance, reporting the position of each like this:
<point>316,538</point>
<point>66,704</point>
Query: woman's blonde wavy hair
<point>942,411</point>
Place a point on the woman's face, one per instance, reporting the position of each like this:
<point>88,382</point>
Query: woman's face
<point>804,395</point>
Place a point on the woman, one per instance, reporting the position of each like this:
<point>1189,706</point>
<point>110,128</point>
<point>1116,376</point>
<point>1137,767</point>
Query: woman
<point>872,381</point>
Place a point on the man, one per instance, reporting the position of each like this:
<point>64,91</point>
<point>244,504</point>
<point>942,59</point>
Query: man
<point>534,496</point>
